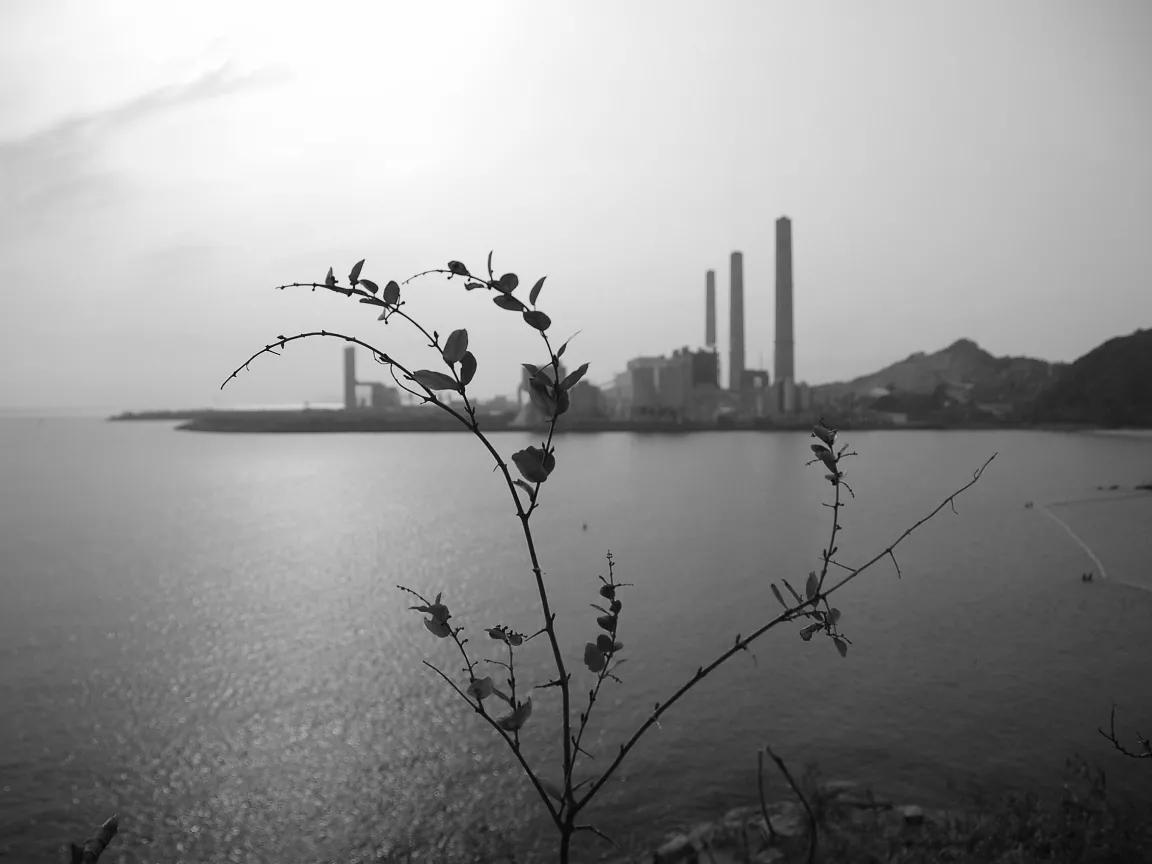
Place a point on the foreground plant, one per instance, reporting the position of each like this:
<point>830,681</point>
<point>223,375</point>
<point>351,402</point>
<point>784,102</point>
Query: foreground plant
<point>506,706</point>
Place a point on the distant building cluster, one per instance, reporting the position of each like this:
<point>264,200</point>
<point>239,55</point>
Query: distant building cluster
<point>682,387</point>
<point>685,387</point>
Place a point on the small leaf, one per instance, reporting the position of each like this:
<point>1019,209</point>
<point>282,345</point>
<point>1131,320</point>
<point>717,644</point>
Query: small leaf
<point>594,658</point>
<point>515,639</point>
<point>467,367</point>
<point>537,319</point>
<point>779,596</point>
<point>834,616</point>
<point>507,283</point>
<point>489,262</point>
<point>534,464</point>
<point>517,718</point>
<point>438,627</point>
<point>330,279</point>
<point>807,632</point>
<point>472,286</point>
<point>535,292</point>
<point>604,642</point>
<point>434,380</point>
<point>813,585</point>
<point>455,346</point>
<point>507,301</point>
<point>828,436</point>
<point>792,591</point>
<point>541,396</point>
<point>370,285</point>
<point>607,622</point>
<point>481,688</point>
<point>841,646</point>
<point>527,487</point>
<point>354,276</point>
<point>819,449</point>
<point>392,293</point>
<point>828,459</point>
<point>498,633</point>
<point>608,592</point>
<point>570,380</point>
<point>457,268</point>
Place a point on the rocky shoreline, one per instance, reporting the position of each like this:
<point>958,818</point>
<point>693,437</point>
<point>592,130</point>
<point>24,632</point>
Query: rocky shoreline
<point>845,812</point>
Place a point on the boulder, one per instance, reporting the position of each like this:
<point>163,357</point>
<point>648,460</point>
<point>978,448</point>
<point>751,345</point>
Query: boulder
<point>912,814</point>
<point>677,850</point>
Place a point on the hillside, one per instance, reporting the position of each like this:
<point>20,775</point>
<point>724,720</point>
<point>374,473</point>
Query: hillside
<point>954,384</point>
<point>1111,385</point>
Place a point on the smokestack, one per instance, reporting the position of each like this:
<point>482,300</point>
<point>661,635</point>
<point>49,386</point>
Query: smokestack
<point>349,378</point>
<point>785,349</point>
<point>710,309</point>
<point>736,324</point>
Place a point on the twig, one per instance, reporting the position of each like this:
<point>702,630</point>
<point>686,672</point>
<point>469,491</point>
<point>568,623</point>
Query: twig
<point>95,845</point>
<point>795,788</point>
<point>760,789</point>
<point>787,615</point>
<point>1111,736</point>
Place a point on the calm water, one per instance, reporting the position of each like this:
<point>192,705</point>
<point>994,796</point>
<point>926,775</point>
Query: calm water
<point>201,632</point>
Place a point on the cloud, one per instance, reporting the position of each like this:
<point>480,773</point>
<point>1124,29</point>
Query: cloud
<point>63,157</point>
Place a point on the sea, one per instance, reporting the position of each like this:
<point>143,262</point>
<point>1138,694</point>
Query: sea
<point>202,632</point>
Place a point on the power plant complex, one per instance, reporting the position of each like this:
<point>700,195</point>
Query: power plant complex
<point>681,388</point>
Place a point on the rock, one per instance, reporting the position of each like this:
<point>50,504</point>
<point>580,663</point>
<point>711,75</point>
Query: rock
<point>912,814</point>
<point>701,833</point>
<point>768,856</point>
<point>837,788</point>
<point>790,823</point>
<point>740,815</point>
<point>678,850</point>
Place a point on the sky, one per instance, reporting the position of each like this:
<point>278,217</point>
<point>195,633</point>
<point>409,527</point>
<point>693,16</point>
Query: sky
<point>973,169</point>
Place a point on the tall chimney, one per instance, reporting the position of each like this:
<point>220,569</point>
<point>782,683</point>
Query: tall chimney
<point>710,309</point>
<point>736,325</point>
<point>349,378</point>
<point>785,349</point>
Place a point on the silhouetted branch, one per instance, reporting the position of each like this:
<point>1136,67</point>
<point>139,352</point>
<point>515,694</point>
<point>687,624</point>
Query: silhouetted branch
<point>95,845</point>
<point>1145,744</point>
<point>803,800</point>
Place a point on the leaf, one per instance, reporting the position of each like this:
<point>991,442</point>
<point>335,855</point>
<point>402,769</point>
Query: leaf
<point>607,622</point>
<point>498,633</point>
<point>489,262</point>
<point>562,402</point>
<point>608,592</point>
<point>330,279</point>
<point>472,286</point>
<point>434,380</point>
<point>457,268</point>
<point>455,346</point>
<point>841,646</point>
<point>517,718</point>
<point>807,632</point>
<point>541,396</point>
<point>535,292</point>
<point>537,319</point>
<point>438,627</point>
<point>354,276</point>
<point>527,487</point>
<point>828,459</point>
<point>779,596</point>
<point>507,301</point>
<point>813,585</point>
<point>570,380</point>
<point>828,436</point>
<point>370,285</point>
<point>467,367</point>
<point>834,616</point>
<point>481,688</point>
<point>507,283</point>
<point>594,658</point>
<point>820,449</point>
<point>392,293</point>
<point>534,464</point>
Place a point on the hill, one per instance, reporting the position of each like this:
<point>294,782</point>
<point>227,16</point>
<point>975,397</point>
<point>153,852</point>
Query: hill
<point>1111,385</point>
<point>958,384</point>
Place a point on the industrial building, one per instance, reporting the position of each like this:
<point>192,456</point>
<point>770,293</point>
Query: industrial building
<point>365,394</point>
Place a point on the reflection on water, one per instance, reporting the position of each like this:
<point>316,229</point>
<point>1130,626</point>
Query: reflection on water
<point>202,633</point>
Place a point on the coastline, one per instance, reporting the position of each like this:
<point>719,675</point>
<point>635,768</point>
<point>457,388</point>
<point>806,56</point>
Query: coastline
<point>325,420</point>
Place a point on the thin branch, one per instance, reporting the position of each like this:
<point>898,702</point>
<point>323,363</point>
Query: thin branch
<point>760,791</point>
<point>1114,738</point>
<point>95,845</point>
<point>796,788</point>
<point>595,831</point>
<point>787,615</point>
<point>478,707</point>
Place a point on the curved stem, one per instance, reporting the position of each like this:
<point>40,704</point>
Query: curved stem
<point>743,642</point>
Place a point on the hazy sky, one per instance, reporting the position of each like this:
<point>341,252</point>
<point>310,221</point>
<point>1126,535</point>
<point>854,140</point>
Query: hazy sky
<point>977,169</point>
